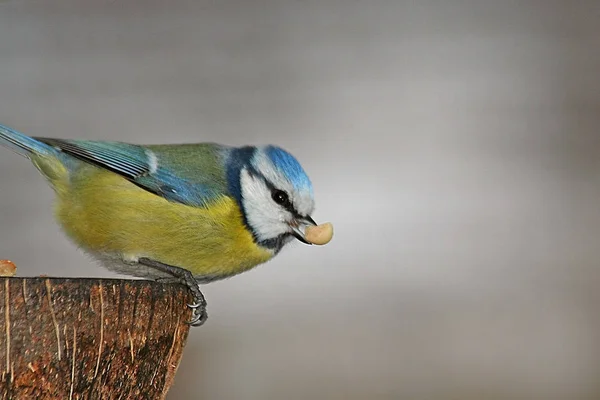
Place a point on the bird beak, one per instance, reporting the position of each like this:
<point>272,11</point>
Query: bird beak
<point>299,226</point>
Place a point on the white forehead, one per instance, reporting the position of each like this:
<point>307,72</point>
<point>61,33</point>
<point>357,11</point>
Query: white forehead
<point>300,194</point>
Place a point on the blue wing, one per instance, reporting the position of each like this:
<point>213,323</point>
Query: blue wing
<point>157,169</point>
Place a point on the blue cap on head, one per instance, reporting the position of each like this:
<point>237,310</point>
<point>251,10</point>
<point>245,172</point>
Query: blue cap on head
<point>288,164</point>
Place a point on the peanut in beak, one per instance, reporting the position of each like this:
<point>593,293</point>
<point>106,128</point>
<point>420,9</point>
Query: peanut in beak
<point>320,234</point>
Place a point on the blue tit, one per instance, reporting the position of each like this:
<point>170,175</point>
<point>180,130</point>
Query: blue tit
<point>191,212</point>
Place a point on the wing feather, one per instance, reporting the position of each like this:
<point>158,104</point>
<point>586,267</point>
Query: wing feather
<point>156,169</point>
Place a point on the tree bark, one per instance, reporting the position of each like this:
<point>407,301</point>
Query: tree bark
<point>90,338</point>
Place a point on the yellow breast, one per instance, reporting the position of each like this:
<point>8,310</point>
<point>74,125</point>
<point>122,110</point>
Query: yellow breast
<point>107,215</point>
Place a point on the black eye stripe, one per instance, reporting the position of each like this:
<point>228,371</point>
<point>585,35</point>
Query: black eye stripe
<point>287,205</point>
<point>281,197</point>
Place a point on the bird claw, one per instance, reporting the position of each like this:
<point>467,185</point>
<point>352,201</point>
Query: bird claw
<point>185,277</point>
<point>199,316</point>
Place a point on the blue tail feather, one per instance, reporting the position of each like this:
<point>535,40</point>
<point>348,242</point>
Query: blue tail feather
<point>23,144</point>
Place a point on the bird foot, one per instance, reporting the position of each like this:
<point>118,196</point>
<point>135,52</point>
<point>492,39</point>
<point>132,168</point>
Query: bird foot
<point>181,275</point>
<point>199,315</point>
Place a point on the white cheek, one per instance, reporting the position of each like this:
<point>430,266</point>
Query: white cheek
<point>263,215</point>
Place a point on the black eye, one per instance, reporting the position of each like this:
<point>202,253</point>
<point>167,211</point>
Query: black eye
<point>280,197</point>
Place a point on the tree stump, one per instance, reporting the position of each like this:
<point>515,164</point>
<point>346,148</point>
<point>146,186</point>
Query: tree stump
<point>85,338</point>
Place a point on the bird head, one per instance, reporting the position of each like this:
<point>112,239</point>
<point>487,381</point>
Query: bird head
<point>276,195</point>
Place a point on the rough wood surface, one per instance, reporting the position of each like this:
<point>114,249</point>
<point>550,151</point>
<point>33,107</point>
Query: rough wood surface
<point>90,338</point>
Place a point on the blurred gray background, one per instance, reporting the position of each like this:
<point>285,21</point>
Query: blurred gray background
<point>455,146</point>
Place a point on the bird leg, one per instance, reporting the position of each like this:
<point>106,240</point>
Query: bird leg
<point>185,277</point>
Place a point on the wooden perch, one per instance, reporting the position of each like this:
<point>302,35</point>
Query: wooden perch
<point>90,338</point>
